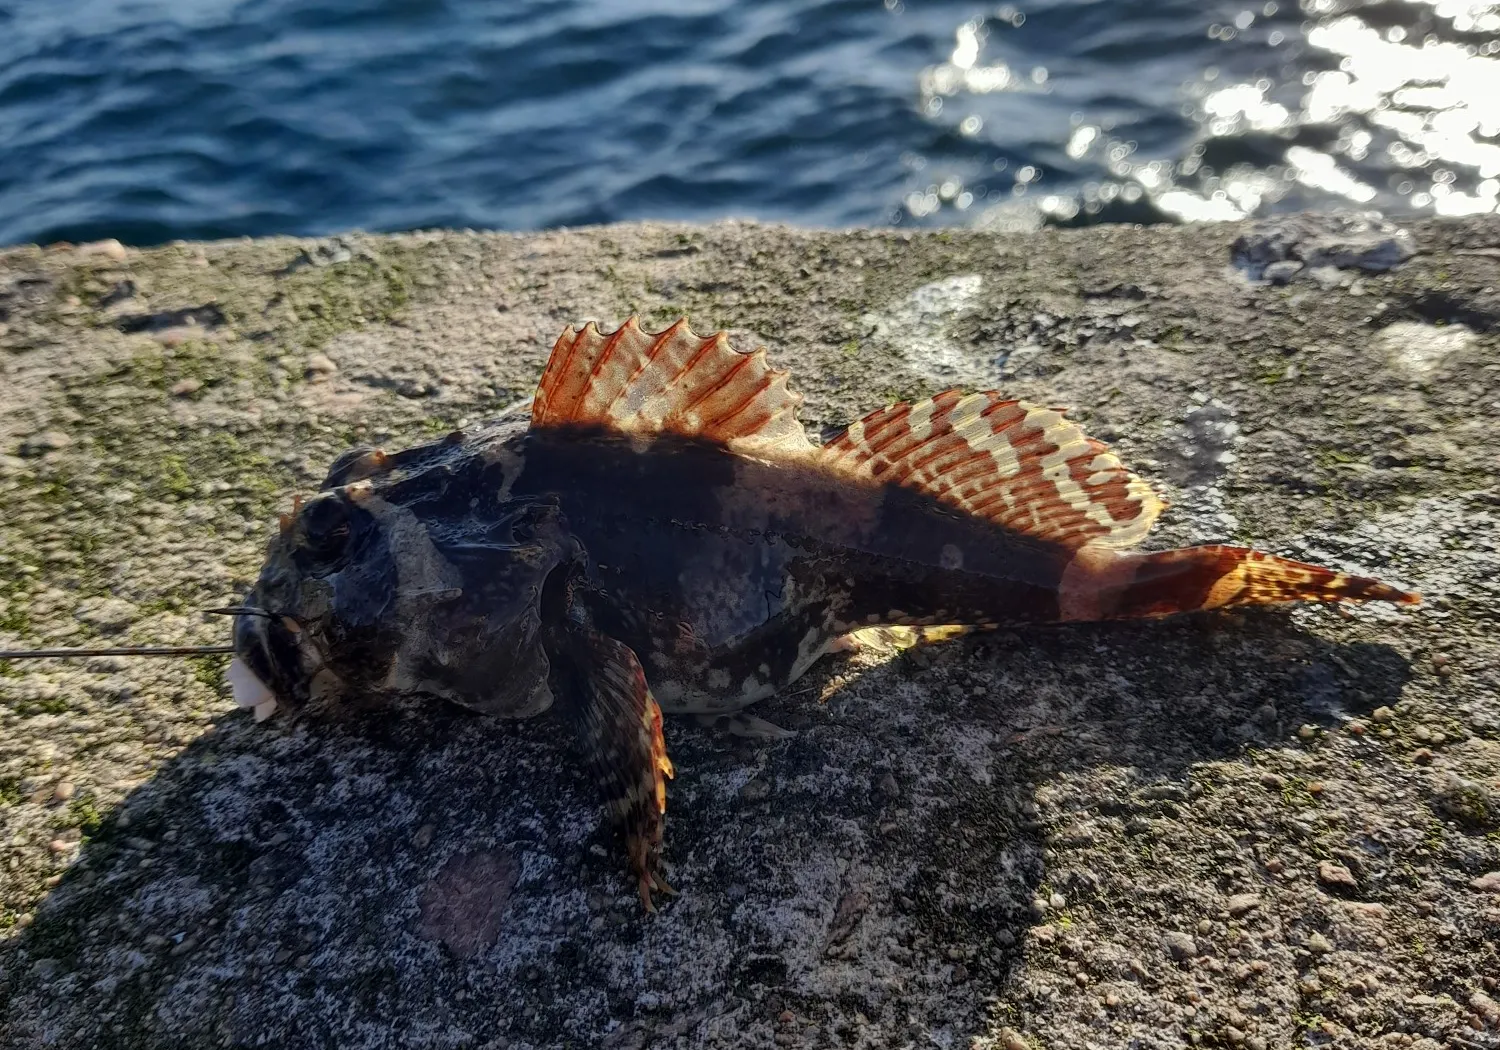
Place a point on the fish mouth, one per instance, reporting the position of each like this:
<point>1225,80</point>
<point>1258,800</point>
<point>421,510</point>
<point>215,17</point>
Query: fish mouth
<point>269,668</point>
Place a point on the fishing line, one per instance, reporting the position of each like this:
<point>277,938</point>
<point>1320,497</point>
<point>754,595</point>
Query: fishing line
<point>139,650</point>
<point>127,650</point>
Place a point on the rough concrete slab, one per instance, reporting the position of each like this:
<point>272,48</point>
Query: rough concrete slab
<point>1278,829</point>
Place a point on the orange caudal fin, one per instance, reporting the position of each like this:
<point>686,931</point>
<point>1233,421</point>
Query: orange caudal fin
<point>1102,585</point>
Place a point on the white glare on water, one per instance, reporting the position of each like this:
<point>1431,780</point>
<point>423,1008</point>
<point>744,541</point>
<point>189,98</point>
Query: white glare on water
<point>1404,118</point>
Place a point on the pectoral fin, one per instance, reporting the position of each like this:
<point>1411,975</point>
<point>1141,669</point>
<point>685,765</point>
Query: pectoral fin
<point>600,687</point>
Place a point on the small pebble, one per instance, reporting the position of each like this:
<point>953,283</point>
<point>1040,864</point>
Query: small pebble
<point>1318,943</point>
<point>65,790</point>
<point>1331,874</point>
<point>320,366</point>
<point>110,248</point>
<point>1273,781</point>
<point>1281,272</point>
<point>1422,756</point>
<point>756,790</point>
<point>1382,715</point>
<point>1486,883</point>
<point>1010,1039</point>
<point>1276,865</point>
<point>1485,1007</point>
<point>184,387</point>
<point>1242,903</point>
<point>1179,945</point>
<point>46,441</point>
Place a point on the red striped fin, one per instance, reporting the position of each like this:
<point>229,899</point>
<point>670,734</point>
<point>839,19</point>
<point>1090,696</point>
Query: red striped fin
<point>669,382</point>
<point>1020,466</point>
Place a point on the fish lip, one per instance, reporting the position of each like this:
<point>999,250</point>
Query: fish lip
<point>273,657</point>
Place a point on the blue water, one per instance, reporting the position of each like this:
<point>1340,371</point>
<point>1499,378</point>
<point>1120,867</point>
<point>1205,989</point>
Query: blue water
<point>149,120</point>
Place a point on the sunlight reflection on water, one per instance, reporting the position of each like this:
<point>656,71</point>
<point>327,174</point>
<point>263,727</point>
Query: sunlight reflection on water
<point>157,119</point>
<point>1378,105</point>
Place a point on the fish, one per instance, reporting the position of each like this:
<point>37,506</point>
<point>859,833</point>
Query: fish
<point>662,537</point>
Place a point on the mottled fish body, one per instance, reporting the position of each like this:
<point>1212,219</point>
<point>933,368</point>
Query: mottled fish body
<point>662,535</point>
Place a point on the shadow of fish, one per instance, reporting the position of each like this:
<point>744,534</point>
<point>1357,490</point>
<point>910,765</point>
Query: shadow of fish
<point>661,535</point>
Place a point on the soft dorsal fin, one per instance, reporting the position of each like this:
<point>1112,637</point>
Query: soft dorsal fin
<point>1020,466</point>
<point>671,382</point>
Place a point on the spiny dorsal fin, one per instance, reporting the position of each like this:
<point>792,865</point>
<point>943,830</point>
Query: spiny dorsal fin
<point>671,382</point>
<point>1020,466</point>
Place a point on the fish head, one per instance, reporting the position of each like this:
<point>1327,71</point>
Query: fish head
<point>323,627</point>
<point>422,578</point>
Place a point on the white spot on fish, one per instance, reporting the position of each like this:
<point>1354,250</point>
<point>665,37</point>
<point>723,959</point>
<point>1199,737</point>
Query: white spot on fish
<point>952,557</point>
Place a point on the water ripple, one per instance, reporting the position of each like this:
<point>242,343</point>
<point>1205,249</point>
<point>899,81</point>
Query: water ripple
<point>155,119</point>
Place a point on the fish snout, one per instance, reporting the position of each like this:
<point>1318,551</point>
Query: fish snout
<point>267,668</point>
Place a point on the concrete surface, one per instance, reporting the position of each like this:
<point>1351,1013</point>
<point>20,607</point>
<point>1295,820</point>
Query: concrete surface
<point>1267,830</point>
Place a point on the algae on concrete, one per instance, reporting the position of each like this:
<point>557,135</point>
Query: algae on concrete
<point>1269,829</point>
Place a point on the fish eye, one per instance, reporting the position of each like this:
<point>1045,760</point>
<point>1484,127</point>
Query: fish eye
<point>528,519</point>
<point>325,527</point>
